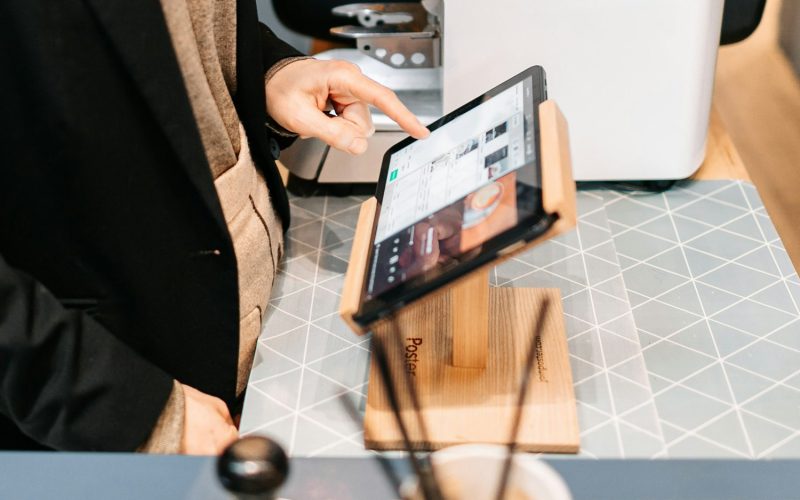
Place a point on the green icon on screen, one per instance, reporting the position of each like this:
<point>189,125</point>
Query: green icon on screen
<point>393,176</point>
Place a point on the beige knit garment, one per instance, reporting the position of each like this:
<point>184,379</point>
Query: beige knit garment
<point>203,34</point>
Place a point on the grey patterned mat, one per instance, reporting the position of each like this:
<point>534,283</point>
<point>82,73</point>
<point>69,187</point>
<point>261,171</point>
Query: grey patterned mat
<point>681,314</point>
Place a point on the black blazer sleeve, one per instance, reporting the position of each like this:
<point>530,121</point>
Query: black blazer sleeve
<point>65,381</point>
<point>273,49</point>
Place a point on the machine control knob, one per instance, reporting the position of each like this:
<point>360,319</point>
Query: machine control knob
<point>253,467</point>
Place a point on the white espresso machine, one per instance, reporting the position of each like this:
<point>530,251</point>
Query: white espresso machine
<point>634,78</point>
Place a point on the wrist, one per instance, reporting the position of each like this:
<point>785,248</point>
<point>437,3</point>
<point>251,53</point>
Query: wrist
<point>275,127</point>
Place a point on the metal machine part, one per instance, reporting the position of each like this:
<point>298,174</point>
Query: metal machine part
<point>371,15</point>
<point>401,35</point>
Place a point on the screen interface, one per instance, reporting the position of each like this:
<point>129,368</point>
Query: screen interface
<point>474,178</point>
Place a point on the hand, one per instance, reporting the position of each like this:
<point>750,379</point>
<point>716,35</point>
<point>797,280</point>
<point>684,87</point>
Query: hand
<point>207,427</point>
<point>299,95</point>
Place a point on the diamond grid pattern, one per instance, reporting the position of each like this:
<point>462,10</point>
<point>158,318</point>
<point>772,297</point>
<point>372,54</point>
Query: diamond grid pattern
<point>611,383</point>
<point>716,317</point>
<point>307,357</point>
<point>680,310</point>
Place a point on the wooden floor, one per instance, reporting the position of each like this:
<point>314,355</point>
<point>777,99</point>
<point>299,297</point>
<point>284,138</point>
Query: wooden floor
<point>722,157</point>
<point>757,98</point>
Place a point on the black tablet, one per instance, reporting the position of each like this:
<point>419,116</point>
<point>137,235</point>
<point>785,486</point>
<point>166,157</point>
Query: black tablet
<point>456,200</point>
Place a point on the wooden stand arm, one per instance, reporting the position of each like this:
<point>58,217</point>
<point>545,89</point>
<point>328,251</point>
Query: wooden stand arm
<point>469,314</point>
<point>358,265</point>
<point>558,185</point>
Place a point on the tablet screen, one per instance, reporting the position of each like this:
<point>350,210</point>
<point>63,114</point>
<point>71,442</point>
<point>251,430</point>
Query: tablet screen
<point>444,198</point>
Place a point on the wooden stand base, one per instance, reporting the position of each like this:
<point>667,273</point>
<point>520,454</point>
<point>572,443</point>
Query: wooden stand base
<point>476,405</point>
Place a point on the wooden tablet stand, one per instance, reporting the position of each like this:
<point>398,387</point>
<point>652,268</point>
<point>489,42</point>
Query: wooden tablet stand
<point>465,345</point>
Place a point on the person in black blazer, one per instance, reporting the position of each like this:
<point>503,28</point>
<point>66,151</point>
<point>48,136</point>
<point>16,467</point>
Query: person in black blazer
<point>117,272</point>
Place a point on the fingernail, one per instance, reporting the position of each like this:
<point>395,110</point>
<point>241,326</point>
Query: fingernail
<point>422,126</point>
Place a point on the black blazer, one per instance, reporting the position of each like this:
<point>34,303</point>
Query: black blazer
<point>117,272</point>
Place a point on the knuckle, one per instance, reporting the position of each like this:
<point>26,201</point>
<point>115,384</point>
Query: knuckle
<point>349,67</point>
<point>342,66</point>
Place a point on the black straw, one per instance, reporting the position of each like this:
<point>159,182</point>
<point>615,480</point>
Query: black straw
<point>521,396</point>
<point>391,393</point>
<point>386,467</point>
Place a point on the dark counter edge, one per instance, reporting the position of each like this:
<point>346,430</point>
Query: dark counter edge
<point>123,476</point>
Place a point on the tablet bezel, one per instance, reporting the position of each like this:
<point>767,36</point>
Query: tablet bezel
<point>525,231</point>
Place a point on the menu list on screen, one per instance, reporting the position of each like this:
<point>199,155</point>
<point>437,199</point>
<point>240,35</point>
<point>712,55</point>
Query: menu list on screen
<point>447,194</point>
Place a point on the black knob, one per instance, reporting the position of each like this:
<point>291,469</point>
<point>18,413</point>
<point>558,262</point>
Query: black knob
<point>253,465</point>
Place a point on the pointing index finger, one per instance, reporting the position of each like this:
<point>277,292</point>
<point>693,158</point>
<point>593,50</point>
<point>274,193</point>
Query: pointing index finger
<point>377,95</point>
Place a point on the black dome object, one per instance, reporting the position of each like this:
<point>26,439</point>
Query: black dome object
<point>253,465</point>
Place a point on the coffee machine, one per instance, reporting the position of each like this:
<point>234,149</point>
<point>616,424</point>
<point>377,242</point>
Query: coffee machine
<point>634,79</point>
